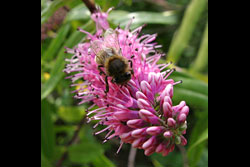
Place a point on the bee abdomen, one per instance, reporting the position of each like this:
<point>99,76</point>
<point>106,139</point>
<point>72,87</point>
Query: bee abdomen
<point>116,66</point>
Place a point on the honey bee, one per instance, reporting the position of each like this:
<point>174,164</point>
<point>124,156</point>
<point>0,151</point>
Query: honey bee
<point>108,55</point>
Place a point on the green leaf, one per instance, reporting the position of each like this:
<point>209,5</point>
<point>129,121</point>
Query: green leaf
<point>202,138</point>
<point>102,160</point>
<point>123,17</point>
<point>184,33</point>
<point>106,4</point>
<point>204,159</point>
<point>47,130</point>
<point>156,163</point>
<point>196,100</point>
<point>71,114</point>
<point>200,127</point>
<point>85,152</point>
<point>44,161</point>
<point>57,71</point>
<point>52,7</point>
<point>172,159</point>
<point>80,12</point>
<point>128,2</point>
<point>56,43</point>
<point>201,60</point>
<point>192,85</point>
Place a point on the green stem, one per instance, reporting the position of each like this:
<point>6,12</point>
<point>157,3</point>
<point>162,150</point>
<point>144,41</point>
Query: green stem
<point>201,60</point>
<point>181,38</point>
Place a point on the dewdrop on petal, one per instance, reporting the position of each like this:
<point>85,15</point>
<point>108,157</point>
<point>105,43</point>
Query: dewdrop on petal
<point>141,112</point>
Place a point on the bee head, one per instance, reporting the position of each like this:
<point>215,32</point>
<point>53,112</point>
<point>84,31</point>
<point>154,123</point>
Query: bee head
<point>125,77</point>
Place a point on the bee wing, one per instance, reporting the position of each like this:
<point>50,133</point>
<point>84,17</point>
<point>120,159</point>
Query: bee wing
<point>96,46</point>
<point>111,40</point>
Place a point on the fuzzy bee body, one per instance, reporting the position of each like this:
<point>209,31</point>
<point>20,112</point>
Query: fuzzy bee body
<point>108,55</point>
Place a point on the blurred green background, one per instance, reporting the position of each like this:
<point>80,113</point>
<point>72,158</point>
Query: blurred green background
<point>182,28</point>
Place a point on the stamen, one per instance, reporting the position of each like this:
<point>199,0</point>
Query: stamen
<point>121,144</point>
<point>96,125</point>
<point>172,70</point>
<point>108,134</point>
<point>103,130</point>
<point>162,68</point>
<point>90,112</point>
<point>178,82</point>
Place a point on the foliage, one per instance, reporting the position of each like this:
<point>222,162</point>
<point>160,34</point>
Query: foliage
<point>182,30</point>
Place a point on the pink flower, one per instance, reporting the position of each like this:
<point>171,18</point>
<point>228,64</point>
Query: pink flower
<point>141,112</point>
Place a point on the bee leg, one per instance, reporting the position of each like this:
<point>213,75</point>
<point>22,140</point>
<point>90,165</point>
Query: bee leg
<point>107,85</point>
<point>131,63</point>
<point>132,72</point>
<point>99,68</point>
<point>131,66</point>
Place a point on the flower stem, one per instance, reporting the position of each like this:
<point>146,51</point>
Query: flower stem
<point>90,5</point>
<point>131,158</point>
<point>72,140</point>
<point>184,155</point>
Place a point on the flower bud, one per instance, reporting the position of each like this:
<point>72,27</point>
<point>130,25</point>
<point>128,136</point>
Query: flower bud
<point>167,110</point>
<point>168,99</point>
<point>140,95</point>
<point>125,135</point>
<point>165,151</point>
<point>185,110</point>
<point>183,127</point>
<point>138,142</point>
<point>183,141</point>
<point>177,140</point>
<point>139,132</point>
<point>135,123</point>
<point>171,122</point>
<point>143,104</point>
<point>150,142</point>
<point>124,116</point>
<point>182,118</point>
<point>154,130</point>
<point>148,116</point>
<point>149,151</point>
<point>178,108</point>
<point>168,134</point>
<point>159,148</point>
<point>147,90</point>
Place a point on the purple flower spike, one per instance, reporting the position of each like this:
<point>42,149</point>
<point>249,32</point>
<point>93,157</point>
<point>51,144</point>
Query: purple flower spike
<point>139,112</point>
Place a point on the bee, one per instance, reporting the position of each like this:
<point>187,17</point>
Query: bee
<point>109,56</point>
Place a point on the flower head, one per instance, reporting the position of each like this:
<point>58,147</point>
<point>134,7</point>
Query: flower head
<point>141,112</point>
